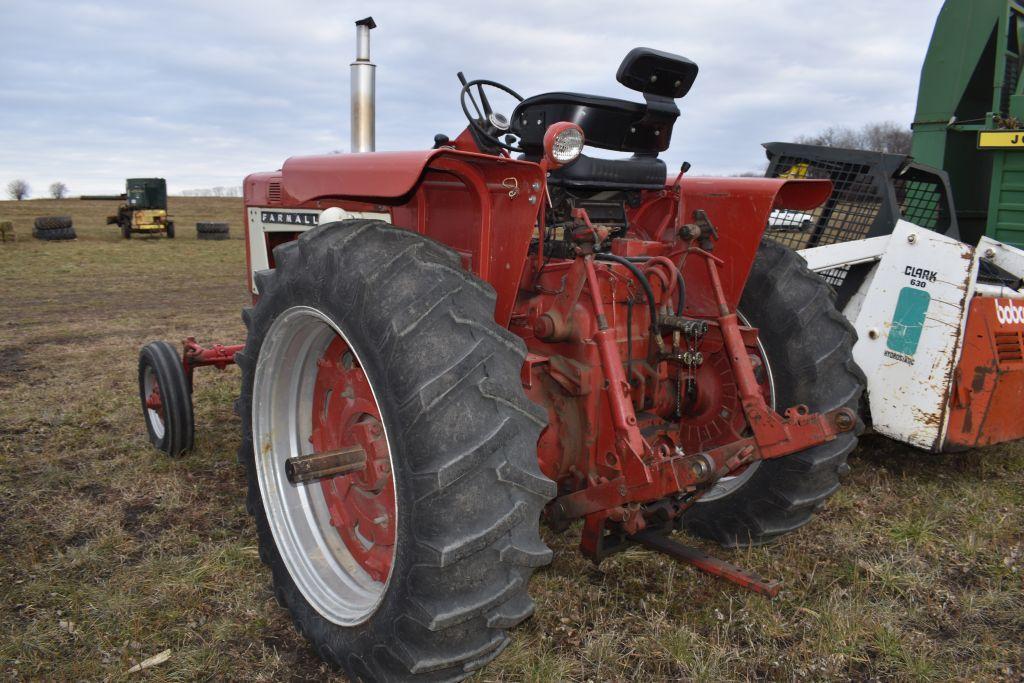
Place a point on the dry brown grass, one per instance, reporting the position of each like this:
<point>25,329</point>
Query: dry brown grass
<point>110,553</point>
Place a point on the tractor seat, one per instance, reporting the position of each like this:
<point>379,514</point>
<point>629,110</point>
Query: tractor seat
<point>634,173</point>
<point>607,122</point>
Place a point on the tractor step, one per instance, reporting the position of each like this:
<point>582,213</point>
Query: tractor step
<point>654,540</point>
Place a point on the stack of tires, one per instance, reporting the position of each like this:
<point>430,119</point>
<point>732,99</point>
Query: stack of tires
<point>212,231</point>
<point>53,228</point>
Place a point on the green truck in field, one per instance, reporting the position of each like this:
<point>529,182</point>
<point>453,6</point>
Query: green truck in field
<point>145,209</point>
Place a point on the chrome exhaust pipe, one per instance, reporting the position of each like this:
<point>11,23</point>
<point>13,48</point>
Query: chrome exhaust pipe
<point>363,82</point>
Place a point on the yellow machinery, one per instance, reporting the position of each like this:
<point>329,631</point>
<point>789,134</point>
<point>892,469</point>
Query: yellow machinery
<point>145,209</point>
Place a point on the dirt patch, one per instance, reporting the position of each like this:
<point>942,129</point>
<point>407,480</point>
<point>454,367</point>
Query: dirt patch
<point>98,493</point>
<point>12,362</point>
<point>133,517</point>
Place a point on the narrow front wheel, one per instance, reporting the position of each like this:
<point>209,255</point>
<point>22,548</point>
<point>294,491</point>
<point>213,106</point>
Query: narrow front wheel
<point>166,399</point>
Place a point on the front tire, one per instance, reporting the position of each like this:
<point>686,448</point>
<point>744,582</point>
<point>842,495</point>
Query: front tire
<point>166,399</point>
<point>361,299</point>
<point>809,349</point>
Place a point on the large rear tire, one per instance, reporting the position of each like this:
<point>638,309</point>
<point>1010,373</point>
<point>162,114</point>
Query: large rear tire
<point>358,303</point>
<point>808,346</point>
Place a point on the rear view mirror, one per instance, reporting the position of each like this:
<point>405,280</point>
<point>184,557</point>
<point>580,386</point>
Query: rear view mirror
<point>658,73</point>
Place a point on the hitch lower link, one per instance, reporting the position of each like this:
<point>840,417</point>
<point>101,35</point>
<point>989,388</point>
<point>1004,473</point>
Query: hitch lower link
<point>647,477</point>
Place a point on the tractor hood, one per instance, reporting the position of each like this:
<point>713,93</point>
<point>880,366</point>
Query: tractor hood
<point>370,176</point>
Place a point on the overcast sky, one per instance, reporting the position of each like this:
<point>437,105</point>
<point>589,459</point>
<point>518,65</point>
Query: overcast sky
<point>204,92</point>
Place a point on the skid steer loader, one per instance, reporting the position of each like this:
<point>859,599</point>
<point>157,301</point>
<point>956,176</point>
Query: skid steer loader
<point>940,323</point>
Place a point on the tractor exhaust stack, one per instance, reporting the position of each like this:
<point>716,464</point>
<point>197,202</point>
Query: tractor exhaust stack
<point>362,77</point>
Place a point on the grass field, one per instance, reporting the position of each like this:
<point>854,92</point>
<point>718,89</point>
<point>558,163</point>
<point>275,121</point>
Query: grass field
<point>110,554</point>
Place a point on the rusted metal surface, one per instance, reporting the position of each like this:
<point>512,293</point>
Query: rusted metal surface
<point>707,563</point>
<point>909,321</point>
<point>360,499</point>
<point>194,355</point>
<point>306,468</point>
<point>988,389</point>
<point>610,358</point>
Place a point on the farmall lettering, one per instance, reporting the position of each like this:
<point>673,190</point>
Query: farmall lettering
<point>1010,314</point>
<point>308,219</point>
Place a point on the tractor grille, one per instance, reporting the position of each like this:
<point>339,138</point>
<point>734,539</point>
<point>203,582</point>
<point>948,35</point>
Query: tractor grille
<point>1009,347</point>
<point>274,192</point>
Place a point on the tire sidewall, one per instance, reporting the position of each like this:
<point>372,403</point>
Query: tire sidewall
<point>178,418</point>
<point>393,602</point>
<point>789,342</point>
<point>148,361</point>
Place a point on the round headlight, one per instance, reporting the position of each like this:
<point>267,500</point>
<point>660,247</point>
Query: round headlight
<point>563,143</point>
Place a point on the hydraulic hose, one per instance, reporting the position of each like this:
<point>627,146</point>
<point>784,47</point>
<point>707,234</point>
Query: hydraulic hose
<point>641,278</point>
<point>680,283</point>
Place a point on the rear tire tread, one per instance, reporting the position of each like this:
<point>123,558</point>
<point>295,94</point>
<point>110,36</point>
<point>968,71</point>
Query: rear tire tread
<point>473,550</point>
<point>784,494</point>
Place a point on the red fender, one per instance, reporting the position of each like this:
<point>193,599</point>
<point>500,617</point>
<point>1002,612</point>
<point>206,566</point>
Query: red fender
<point>739,208</point>
<point>484,207</point>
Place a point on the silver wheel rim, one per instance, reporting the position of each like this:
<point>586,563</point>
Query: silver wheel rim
<point>726,486</point>
<point>156,423</point>
<point>321,566</point>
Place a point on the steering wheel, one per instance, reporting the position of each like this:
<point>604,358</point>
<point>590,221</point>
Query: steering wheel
<point>487,124</point>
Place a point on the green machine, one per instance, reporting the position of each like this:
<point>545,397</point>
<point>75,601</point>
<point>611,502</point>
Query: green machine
<point>145,209</point>
<point>970,114</point>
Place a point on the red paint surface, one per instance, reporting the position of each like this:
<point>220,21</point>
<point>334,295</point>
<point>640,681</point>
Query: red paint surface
<point>361,504</point>
<point>615,437</point>
<point>988,393</point>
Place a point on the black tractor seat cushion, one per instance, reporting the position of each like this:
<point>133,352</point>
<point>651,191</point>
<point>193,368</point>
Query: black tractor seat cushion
<point>607,122</point>
<point>634,173</point>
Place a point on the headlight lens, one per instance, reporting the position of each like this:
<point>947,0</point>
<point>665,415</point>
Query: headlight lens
<point>567,145</point>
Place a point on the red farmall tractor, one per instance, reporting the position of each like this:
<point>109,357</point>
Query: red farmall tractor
<point>500,331</point>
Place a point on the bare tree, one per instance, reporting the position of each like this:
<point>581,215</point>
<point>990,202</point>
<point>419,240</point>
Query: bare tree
<point>888,137</point>
<point>58,190</point>
<point>876,137</point>
<point>18,189</point>
<point>219,191</point>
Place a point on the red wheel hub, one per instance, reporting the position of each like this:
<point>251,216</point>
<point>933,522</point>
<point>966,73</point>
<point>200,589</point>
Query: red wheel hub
<point>361,504</point>
<point>153,400</point>
<point>716,416</point>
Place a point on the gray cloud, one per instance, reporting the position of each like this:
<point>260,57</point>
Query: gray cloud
<point>206,92</point>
